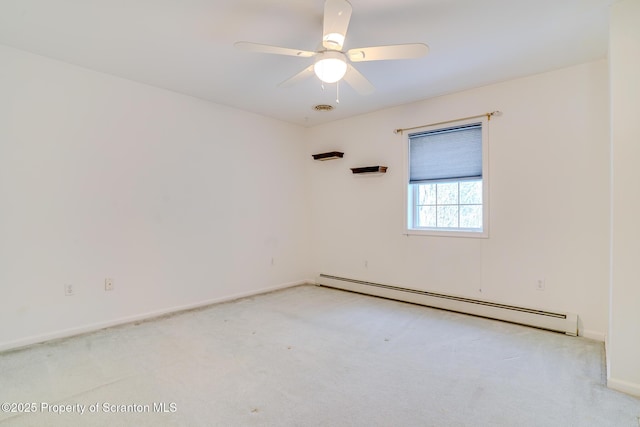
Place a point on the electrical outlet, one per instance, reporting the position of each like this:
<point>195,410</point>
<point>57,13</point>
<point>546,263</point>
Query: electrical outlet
<point>69,290</point>
<point>108,284</point>
<point>540,284</point>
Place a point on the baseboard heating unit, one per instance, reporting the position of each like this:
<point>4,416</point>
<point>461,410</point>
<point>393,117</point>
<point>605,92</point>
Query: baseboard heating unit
<point>560,322</point>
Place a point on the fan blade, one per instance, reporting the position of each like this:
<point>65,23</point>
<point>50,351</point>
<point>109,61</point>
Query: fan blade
<point>337,14</point>
<point>265,48</point>
<point>304,74</point>
<point>357,81</point>
<point>379,53</point>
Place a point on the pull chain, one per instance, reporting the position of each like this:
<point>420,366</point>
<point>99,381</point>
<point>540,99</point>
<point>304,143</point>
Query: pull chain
<point>337,92</point>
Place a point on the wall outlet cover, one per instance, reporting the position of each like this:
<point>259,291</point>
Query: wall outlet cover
<point>69,289</point>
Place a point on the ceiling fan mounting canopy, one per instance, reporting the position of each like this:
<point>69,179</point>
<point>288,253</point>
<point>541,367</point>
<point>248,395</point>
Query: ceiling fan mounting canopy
<point>332,63</point>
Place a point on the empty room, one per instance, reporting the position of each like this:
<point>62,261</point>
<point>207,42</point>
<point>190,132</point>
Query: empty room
<point>319,213</point>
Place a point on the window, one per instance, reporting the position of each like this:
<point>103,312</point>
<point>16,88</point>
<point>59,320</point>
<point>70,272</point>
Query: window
<point>447,183</point>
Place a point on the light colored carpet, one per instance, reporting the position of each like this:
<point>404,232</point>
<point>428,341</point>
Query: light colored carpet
<point>311,356</point>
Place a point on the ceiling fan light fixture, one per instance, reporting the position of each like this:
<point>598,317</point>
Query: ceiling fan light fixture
<point>330,67</point>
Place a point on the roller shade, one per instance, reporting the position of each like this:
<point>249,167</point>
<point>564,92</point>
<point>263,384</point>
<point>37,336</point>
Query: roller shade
<point>452,153</point>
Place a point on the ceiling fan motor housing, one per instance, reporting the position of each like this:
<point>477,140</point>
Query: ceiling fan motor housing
<point>333,41</point>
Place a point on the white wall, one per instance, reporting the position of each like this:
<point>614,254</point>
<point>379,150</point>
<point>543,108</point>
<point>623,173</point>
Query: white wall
<point>623,353</point>
<point>184,202</point>
<point>549,198</point>
<point>179,200</point>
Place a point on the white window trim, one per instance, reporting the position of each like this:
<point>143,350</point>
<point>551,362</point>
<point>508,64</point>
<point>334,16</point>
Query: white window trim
<point>408,202</point>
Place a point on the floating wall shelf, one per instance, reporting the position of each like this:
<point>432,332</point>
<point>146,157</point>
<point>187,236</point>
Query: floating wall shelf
<point>370,169</point>
<point>332,155</point>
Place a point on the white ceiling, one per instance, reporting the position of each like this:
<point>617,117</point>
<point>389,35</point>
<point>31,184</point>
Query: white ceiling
<point>187,45</point>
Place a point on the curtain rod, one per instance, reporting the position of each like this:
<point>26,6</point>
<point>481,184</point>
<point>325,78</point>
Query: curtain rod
<point>488,115</point>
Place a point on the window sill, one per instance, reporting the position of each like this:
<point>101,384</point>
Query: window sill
<point>447,233</point>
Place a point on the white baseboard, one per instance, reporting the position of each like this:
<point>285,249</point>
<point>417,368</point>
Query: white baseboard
<point>65,333</point>
<point>593,335</point>
<point>615,384</point>
<point>624,386</point>
<point>607,364</point>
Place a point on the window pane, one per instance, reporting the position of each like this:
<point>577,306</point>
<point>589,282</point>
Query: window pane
<point>426,216</point>
<point>471,192</point>
<point>427,194</point>
<point>447,194</point>
<point>471,216</point>
<point>447,216</point>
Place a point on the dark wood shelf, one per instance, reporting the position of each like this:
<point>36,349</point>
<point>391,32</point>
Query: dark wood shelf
<point>332,155</point>
<point>369,169</point>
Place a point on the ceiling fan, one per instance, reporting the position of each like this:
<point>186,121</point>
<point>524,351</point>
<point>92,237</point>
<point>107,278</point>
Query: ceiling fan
<point>332,63</point>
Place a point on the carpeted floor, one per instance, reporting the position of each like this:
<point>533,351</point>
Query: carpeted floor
<point>312,356</point>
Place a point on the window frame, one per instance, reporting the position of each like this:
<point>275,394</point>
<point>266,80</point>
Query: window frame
<point>408,189</point>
